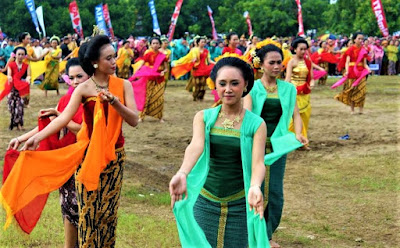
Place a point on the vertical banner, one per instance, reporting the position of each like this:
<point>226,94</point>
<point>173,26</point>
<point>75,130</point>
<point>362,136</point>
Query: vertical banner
<point>30,4</point>
<point>75,18</point>
<point>99,15</point>
<point>174,19</point>
<point>39,13</point>
<point>377,8</point>
<point>214,31</point>
<point>300,18</point>
<point>108,20</point>
<point>156,27</point>
<point>247,16</point>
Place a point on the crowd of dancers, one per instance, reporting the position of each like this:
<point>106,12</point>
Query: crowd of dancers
<point>228,191</point>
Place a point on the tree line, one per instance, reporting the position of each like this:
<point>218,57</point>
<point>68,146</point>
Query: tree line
<point>268,17</point>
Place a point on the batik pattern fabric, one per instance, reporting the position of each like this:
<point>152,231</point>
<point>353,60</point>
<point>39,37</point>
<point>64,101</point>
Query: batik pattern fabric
<point>50,81</point>
<point>351,94</point>
<point>16,108</point>
<point>68,202</point>
<point>354,94</point>
<point>98,209</point>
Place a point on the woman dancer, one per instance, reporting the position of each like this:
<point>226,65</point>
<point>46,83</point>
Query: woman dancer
<point>198,61</point>
<point>17,88</point>
<point>275,101</point>
<point>124,59</point>
<point>324,64</point>
<point>164,49</point>
<point>98,151</point>
<point>69,206</point>
<point>153,102</point>
<point>52,58</point>
<point>299,72</point>
<point>356,69</point>
<point>217,188</point>
<point>392,51</point>
<point>233,41</point>
<point>253,43</point>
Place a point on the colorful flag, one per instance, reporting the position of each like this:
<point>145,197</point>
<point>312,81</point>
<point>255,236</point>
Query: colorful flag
<point>214,31</point>
<point>108,20</point>
<point>156,27</point>
<point>30,4</point>
<point>75,18</point>
<point>174,19</point>
<point>39,13</point>
<point>300,18</point>
<point>99,15</point>
<point>247,16</point>
<point>377,8</point>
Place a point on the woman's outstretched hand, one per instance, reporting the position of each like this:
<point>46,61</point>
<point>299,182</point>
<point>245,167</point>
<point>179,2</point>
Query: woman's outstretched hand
<point>177,187</point>
<point>256,200</point>
<point>31,144</point>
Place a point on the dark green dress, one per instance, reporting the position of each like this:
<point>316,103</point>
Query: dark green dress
<point>220,209</point>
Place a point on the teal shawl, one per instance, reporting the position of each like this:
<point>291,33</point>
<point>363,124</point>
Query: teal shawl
<point>190,233</point>
<point>283,141</point>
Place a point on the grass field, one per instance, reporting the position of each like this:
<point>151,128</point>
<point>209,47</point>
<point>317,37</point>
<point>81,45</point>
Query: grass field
<point>343,193</point>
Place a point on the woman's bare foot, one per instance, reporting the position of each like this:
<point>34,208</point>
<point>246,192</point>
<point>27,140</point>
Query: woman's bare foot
<point>304,148</point>
<point>162,120</point>
<point>140,120</point>
<point>273,244</point>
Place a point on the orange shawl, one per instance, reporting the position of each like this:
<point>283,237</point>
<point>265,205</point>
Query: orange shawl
<point>39,172</point>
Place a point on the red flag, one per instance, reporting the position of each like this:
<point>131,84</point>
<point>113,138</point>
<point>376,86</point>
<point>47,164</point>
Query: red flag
<point>247,16</point>
<point>377,7</point>
<point>300,18</point>
<point>174,19</point>
<point>214,31</point>
<point>75,18</point>
<point>107,18</point>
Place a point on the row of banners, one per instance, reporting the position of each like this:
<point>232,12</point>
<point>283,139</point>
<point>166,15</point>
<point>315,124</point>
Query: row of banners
<point>103,20</point>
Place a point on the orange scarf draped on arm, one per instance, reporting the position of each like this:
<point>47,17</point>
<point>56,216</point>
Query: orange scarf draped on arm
<point>39,172</point>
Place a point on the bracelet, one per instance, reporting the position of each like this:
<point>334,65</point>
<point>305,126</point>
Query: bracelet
<point>255,185</point>
<point>182,172</point>
<point>112,100</point>
<point>18,140</point>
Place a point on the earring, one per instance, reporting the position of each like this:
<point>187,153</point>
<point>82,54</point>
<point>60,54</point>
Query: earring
<point>245,89</point>
<point>262,70</point>
<point>96,66</point>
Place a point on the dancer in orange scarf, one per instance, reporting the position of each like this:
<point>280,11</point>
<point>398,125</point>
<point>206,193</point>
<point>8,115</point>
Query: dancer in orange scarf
<point>97,157</point>
<point>27,218</point>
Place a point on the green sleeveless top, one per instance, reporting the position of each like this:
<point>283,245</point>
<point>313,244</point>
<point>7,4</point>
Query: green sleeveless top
<point>282,140</point>
<point>225,176</point>
<point>190,233</point>
<point>271,112</point>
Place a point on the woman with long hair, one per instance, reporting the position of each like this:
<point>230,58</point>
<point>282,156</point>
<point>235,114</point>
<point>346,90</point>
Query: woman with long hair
<point>216,194</point>
<point>97,158</point>
<point>275,101</point>
<point>299,72</point>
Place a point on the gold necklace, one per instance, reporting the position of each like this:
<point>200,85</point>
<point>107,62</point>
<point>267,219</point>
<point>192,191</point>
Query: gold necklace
<point>270,89</point>
<point>99,87</point>
<point>228,123</point>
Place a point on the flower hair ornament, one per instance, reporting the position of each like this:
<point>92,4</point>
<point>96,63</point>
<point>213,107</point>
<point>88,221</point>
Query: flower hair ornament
<point>255,60</point>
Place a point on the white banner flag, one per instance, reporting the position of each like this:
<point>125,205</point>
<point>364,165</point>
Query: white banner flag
<point>39,13</point>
